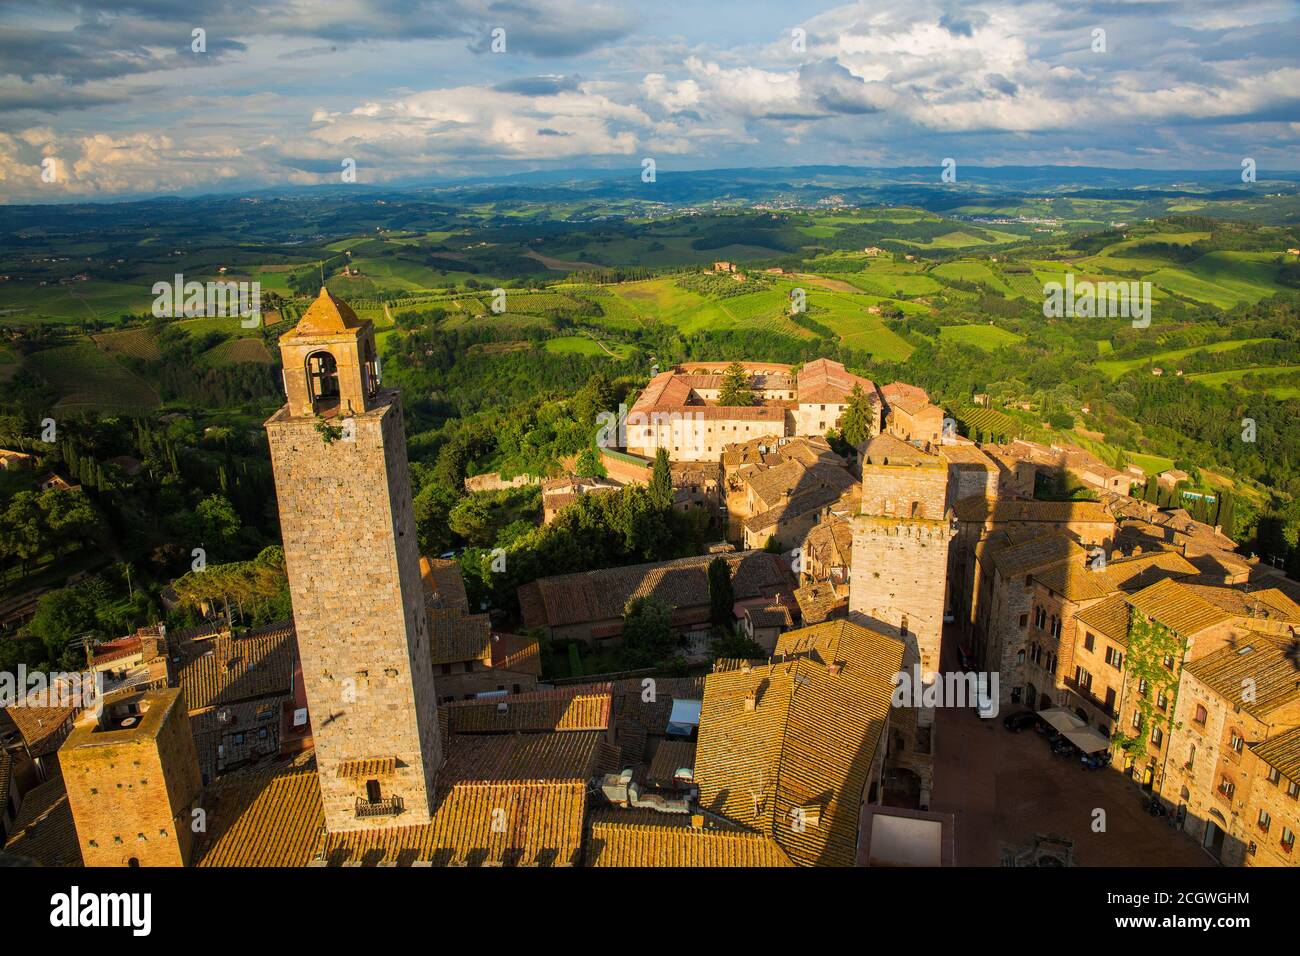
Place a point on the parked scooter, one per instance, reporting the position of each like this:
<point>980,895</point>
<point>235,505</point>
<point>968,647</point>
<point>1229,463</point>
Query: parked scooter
<point>1156,808</point>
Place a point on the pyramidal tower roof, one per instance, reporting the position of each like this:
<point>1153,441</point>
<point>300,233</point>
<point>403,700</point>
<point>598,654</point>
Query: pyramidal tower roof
<point>327,315</point>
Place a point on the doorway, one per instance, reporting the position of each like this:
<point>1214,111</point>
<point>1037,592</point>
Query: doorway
<point>1214,836</point>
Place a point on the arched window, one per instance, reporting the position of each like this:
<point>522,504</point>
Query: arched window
<point>322,376</point>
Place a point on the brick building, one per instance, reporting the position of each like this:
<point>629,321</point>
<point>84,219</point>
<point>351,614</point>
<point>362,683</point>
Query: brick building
<point>1231,704</point>
<point>132,781</point>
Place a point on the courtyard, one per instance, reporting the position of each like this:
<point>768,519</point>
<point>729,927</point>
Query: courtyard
<point>1005,789</point>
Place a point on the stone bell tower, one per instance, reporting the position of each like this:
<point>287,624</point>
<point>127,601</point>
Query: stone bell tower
<point>338,451</point>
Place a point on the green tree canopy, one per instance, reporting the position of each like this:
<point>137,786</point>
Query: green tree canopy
<point>858,418</point>
<point>647,631</point>
<point>736,386</point>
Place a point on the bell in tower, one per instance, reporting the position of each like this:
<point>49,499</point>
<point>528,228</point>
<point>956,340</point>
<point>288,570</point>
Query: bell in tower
<point>329,359</point>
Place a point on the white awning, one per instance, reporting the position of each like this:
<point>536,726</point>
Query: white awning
<point>1088,739</point>
<point>1061,719</point>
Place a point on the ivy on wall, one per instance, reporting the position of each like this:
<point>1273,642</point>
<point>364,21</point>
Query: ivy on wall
<point>1149,644</point>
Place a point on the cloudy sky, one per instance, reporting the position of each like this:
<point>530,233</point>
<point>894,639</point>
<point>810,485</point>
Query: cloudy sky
<point>413,90</point>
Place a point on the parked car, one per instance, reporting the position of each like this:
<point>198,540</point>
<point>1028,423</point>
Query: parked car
<point>1020,720</point>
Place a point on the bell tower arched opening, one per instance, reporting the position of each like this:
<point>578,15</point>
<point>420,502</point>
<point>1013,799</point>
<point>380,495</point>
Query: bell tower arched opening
<point>323,380</point>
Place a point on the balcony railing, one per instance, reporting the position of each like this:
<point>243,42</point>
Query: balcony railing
<point>1089,697</point>
<point>390,807</point>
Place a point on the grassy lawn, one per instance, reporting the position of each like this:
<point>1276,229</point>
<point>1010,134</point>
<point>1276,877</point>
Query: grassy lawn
<point>582,345</point>
<point>985,337</point>
<point>1151,464</point>
<point>1234,376</point>
<point>1114,368</point>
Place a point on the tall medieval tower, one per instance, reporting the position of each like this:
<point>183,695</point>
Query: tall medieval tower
<point>899,577</point>
<point>338,451</point>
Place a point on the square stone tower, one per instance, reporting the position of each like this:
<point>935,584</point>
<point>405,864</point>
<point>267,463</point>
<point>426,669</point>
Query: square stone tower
<point>132,777</point>
<point>338,451</point>
<point>899,578</point>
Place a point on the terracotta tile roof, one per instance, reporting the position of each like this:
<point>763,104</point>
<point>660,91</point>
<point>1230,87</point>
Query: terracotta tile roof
<point>457,637</point>
<point>651,716</point>
<point>370,767</point>
<point>1282,753</point>
<point>979,508</point>
<point>272,817</point>
<point>1077,581</point>
<point>43,729</point>
<point>670,756</point>
<point>1269,604</point>
<point>44,829</point>
<point>444,584</point>
<point>895,392</point>
<point>586,707</point>
<point>966,456</point>
<point>668,843</point>
<point>772,615</point>
<point>518,653</point>
<point>807,744</point>
<point>1108,618</point>
<point>603,594</point>
<point>1255,658</point>
<point>1013,560</point>
<point>886,449</point>
<point>327,314</point>
<point>824,380</point>
<point>814,499</point>
<point>819,601</point>
<point>501,758</point>
<point>774,449</point>
<point>477,824</point>
<point>664,390</point>
<point>1178,608</point>
<point>119,648</point>
<point>225,669</point>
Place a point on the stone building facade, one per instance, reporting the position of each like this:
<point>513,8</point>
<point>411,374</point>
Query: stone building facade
<point>1274,802</point>
<point>132,778</point>
<point>1230,704</point>
<point>338,451</point>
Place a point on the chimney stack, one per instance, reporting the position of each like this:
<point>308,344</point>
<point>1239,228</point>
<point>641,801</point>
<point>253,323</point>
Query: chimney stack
<point>750,702</point>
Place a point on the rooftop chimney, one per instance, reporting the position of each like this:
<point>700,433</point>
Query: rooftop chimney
<point>750,702</point>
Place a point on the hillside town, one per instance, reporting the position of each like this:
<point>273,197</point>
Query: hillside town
<point>390,722</point>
